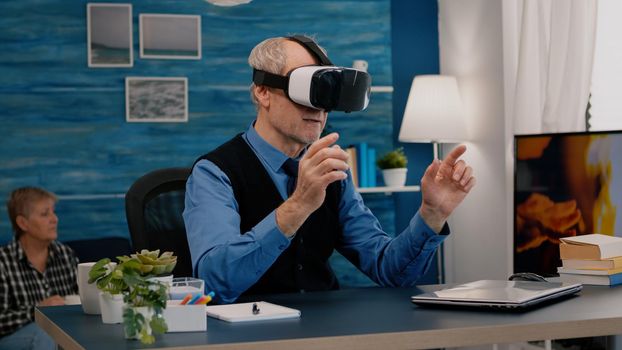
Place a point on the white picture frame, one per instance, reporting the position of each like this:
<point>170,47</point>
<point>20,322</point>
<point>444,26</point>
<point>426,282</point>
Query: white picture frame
<point>109,35</point>
<point>156,99</point>
<point>166,36</point>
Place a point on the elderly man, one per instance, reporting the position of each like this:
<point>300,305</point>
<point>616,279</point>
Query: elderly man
<point>265,210</point>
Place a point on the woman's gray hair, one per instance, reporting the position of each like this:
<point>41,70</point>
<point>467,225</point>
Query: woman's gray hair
<point>269,56</point>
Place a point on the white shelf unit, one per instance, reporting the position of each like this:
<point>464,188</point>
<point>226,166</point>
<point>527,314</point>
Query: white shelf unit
<point>382,88</point>
<point>388,189</point>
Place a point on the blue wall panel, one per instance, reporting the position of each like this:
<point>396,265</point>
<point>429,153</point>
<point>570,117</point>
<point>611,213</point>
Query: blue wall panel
<point>63,124</point>
<point>415,51</point>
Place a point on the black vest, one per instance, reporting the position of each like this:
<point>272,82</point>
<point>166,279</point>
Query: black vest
<point>304,264</point>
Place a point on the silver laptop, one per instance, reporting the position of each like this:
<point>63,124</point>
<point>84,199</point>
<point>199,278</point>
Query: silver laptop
<point>498,294</point>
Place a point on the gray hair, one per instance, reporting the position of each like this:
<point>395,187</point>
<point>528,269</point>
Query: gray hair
<point>269,56</point>
<point>20,203</point>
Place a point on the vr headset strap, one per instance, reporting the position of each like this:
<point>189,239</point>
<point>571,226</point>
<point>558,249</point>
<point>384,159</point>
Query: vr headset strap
<point>312,47</point>
<point>261,77</point>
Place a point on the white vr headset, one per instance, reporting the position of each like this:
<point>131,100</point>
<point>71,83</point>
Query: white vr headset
<point>321,86</point>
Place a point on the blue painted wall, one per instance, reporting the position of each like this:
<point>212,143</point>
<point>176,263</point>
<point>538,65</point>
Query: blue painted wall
<point>63,124</point>
<point>414,51</point>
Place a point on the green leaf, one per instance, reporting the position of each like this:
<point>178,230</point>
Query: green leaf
<point>393,159</point>
<point>158,324</point>
<point>98,270</point>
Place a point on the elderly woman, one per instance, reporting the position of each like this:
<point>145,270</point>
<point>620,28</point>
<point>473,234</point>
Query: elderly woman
<point>35,269</point>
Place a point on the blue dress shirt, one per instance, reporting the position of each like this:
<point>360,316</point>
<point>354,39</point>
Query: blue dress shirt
<point>230,261</point>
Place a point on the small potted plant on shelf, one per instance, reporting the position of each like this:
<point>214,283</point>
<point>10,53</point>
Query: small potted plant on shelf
<point>393,166</point>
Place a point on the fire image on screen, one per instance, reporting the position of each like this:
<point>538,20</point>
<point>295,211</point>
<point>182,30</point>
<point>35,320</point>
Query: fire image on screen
<point>564,185</point>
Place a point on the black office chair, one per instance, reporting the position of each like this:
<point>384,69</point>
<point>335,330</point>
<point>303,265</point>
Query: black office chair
<point>88,250</point>
<point>154,205</point>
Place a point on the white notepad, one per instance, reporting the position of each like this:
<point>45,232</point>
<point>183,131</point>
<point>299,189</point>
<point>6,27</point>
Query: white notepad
<point>243,312</point>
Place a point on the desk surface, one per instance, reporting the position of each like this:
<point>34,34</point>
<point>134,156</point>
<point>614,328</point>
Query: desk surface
<point>369,318</point>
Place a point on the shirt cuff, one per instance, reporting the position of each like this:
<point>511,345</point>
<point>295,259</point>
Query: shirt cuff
<point>269,236</point>
<point>430,238</point>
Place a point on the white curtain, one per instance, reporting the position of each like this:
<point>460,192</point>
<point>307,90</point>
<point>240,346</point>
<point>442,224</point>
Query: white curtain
<point>606,100</point>
<point>548,54</point>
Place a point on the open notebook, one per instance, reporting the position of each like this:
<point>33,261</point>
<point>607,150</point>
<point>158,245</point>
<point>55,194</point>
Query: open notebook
<point>498,294</point>
<point>243,312</point>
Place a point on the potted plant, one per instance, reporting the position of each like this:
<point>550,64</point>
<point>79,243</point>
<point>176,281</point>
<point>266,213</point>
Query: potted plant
<point>114,279</point>
<point>142,313</point>
<point>108,277</point>
<point>393,166</point>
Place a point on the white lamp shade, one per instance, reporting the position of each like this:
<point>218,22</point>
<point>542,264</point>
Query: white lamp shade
<point>434,111</point>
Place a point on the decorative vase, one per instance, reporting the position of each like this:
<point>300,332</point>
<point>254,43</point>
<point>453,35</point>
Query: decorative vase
<point>394,177</point>
<point>111,306</point>
<point>89,294</point>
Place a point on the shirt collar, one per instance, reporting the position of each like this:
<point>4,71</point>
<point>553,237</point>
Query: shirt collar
<point>17,249</point>
<point>270,155</point>
<point>53,250</point>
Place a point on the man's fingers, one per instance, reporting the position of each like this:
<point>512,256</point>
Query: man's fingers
<point>458,172</point>
<point>321,144</point>
<point>333,176</point>
<point>468,172</point>
<point>327,153</point>
<point>453,156</point>
<point>467,188</point>
<point>330,164</point>
<point>432,169</point>
<point>446,169</point>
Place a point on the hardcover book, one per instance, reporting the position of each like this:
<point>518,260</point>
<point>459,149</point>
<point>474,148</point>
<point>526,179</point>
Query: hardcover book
<point>604,280</point>
<point>589,272</point>
<point>593,246</point>
<point>593,264</point>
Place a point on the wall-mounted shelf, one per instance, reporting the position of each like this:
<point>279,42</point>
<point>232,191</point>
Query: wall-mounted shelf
<point>389,189</point>
<point>381,88</point>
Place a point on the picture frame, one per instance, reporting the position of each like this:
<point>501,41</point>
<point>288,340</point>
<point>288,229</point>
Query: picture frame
<point>156,99</point>
<point>167,36</point>
<point>109,35</point>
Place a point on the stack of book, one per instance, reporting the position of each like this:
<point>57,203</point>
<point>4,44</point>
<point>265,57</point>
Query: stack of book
<point>362,164</point>
<point>591,259</point>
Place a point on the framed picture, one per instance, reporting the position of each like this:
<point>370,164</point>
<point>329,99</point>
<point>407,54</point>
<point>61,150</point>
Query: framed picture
<point>170,36</point>
<point>109,35</point>
<point>156,99</point>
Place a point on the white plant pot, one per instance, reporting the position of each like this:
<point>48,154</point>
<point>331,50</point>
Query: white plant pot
<point>147,313</point>
<point>89,294</point>
<point>166,280</point>
<point>111,306</point>
<point>394,177</point>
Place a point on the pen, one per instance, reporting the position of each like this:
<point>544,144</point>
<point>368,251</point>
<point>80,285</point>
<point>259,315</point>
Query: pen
<point>194,300</point>
<point>186,299</point>
<point>206,299</point>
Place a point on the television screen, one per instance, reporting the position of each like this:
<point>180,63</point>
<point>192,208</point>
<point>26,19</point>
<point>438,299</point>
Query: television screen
<point>564,185</point>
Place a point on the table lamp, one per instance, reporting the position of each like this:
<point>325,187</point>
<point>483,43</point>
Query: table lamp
<point>434,112</point>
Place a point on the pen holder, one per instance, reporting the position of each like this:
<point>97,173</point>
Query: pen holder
<point>184,318</point>
<point>183,286</point>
